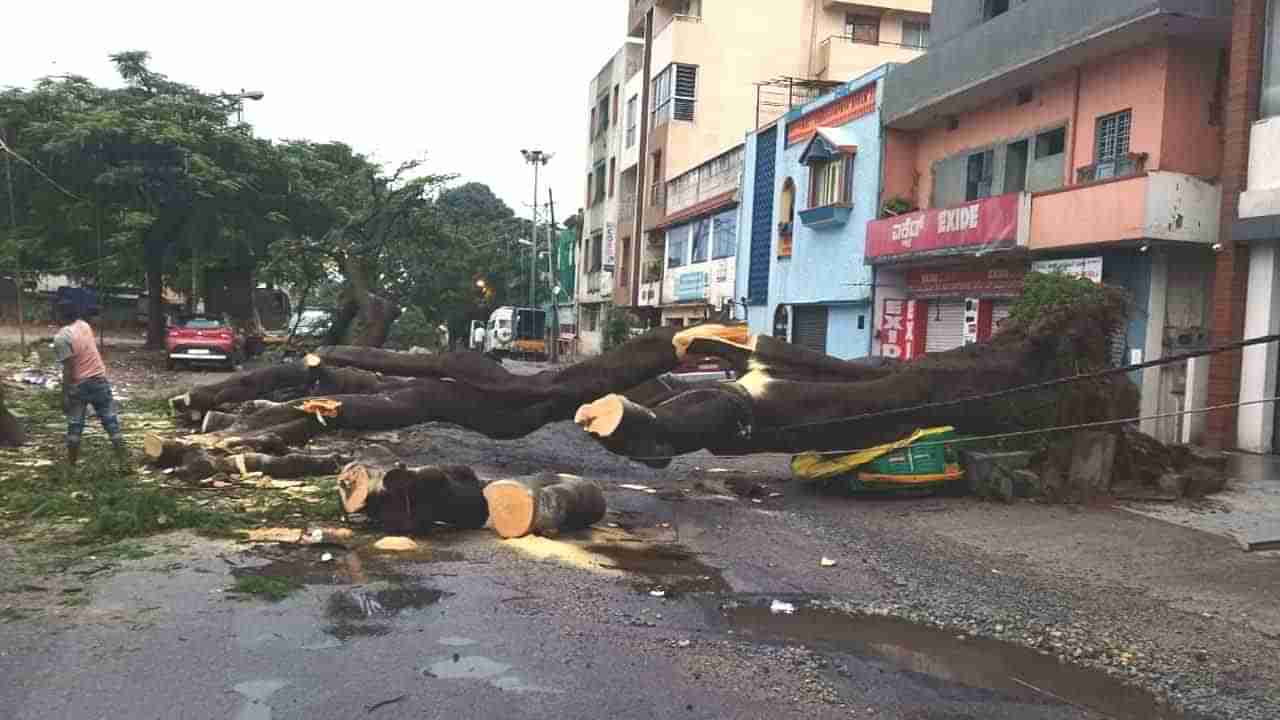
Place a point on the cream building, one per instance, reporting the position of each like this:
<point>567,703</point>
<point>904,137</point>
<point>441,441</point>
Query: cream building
<point>711,71</point>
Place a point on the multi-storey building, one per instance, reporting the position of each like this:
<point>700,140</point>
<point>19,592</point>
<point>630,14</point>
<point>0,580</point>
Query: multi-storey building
<point>713,71</point>
<point>813,182</point>
<point>1251,184</point>
<point>1083,137</point>
<point>610,192</point>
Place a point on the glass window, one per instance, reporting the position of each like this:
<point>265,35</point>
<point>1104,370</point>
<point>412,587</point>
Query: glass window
<point>995,8</point>
<point>1053,142</point>
<point>631,121</point>
<point>677,240</point>
<point>726,235</point>
<point>862,28</point>
<point>1111,150</point>
<point>915,35</point>
<point>701,239</point>
<point>1271,64</point>
<point>979,174</point>
<point>831,182</point>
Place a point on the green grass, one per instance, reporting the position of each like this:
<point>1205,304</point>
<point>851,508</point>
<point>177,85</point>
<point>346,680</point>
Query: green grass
<point>265,587</point>
<point>156,405</point>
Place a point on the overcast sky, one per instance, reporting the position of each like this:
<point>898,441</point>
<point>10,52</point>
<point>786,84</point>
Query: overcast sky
<point>465,83</point>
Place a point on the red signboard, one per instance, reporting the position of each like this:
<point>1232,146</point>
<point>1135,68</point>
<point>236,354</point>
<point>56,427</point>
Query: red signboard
<point>850,107</point>
<point>1003,281</point>
<point>901,330</point>
<point>981,224</point>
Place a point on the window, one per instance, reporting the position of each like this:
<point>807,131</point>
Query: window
<point>1111,151</point>
<point>590,180</point>
<point>725,243</point>
<point>862,28</point>
<point>915,35</point>
<point>589,314</point>
<point>597,253</point>
<point>600,183</point>
<point>675,93</point>
<point>831,182</point>
<point>624,262</point>
<point>1271,62</point>
<point>677,240</point>
<point>656,192</point>
<point>613,174</point>
<point>1053,142</point>
<point>592,129</point>
<point>701,237</point>
<point>978,175</point>
<point>631,120</point>
<point>994,8</point>
<point>689,8</point>
<point>615,104</point>
<point>787,208</point>
<point>602,114</point>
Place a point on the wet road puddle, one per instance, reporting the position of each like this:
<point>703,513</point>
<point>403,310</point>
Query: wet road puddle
<point>378,589</point>
<point>1010,670</point>
<point>669,569</point>
<point>477,667</point>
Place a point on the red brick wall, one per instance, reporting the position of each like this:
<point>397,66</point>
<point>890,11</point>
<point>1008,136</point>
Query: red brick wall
<point>1231,273</point>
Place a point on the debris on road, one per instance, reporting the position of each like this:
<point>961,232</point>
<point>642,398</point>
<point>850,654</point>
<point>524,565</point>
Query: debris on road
<point>778,607</point>
<point>395,544</point>
<point>827,562</point>
<point>638,488</point>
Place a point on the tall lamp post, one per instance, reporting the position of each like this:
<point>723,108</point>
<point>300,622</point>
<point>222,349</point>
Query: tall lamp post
<point>537,159</point>
<point>241,97</point>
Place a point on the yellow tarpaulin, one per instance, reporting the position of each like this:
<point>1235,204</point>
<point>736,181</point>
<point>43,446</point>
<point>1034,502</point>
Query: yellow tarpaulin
<point>815,466</point>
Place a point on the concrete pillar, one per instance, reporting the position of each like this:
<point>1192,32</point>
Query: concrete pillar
<point>1195,426</point>
<point>1153,348</point>
<point>1256,423</point>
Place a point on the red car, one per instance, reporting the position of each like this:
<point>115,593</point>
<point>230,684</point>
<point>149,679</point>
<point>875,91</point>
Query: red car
<point>203,339</point>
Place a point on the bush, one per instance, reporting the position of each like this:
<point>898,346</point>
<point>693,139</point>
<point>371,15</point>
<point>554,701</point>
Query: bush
<point>617,328</point>
<point>1043,293</point>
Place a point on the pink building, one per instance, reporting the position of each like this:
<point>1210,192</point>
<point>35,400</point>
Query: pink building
<point>1026,140</point>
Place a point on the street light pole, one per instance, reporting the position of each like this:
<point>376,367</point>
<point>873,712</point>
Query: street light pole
<point>535,158</point>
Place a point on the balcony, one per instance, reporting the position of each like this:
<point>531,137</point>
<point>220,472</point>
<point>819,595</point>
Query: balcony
<point>626,213</point>
<point>843,58</point>
<point>703,183</point>
<point>907,6</point>
<point>1036,41</point>
<point>1164,206</point>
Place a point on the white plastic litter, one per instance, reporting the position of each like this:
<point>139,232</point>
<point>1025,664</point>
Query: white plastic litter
<point>777,607</point>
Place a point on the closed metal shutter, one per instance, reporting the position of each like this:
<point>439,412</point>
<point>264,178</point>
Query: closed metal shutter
<point>999,313</point>
<point>946,326</point>
<point>809,327</point>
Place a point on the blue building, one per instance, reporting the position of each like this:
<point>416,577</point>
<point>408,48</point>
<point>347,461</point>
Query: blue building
<point>812,183</point>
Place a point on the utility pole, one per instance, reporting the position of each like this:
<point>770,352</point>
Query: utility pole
<point>17,255</point>
<point>536,158</point>
<point>553,281</point>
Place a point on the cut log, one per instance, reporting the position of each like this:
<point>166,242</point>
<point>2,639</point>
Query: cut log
<point>411,500</point>
<point>274,440</point>
<point>244,386</point>
<point>546,504</point>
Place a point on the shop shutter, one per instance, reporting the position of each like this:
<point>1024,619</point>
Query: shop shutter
<point>946,326</point>
<point>809,327</point>
<point>999,313</point>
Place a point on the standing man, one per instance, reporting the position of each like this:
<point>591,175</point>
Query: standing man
<point>84,382</point>
<point>477,338</point>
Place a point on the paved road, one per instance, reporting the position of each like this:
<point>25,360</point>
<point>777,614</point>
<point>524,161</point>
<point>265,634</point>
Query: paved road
<point>472,627</point>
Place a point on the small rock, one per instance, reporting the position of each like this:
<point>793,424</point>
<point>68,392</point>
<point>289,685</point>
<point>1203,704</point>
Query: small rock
<point>827,562</point>
<point>778,607</point>
<point>395,544</point>
<point>326,557</point>
<point>683,643</point>
<point>658,593</point>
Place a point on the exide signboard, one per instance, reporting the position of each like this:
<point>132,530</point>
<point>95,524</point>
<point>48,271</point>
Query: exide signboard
<point>988,223</point>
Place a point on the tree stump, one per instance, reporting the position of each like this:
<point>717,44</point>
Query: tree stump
<point>544,505</point>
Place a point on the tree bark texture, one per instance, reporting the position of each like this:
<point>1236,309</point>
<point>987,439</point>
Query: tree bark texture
<point>546,504</point>
<point>785,400</point>
<point>408,500</point>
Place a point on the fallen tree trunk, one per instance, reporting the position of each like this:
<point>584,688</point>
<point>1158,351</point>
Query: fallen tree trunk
<point>545,504</point>
<point>199,464</point>
<point>274,439</point>
<point>411,500</point>
<point>768,410</point>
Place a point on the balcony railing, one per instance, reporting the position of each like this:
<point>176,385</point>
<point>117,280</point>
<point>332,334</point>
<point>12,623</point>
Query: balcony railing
<point>699,184</point>
<point>626,211</point>
<point>658,195</point>
<point>1131,164</point>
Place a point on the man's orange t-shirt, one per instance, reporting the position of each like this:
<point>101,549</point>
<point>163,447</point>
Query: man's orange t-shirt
<point>75,342</point>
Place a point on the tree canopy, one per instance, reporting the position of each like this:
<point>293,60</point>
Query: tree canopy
<point>154,181</point>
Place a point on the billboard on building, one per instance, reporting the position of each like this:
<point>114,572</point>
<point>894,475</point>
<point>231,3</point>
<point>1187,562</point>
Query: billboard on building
<point>986,224</point>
